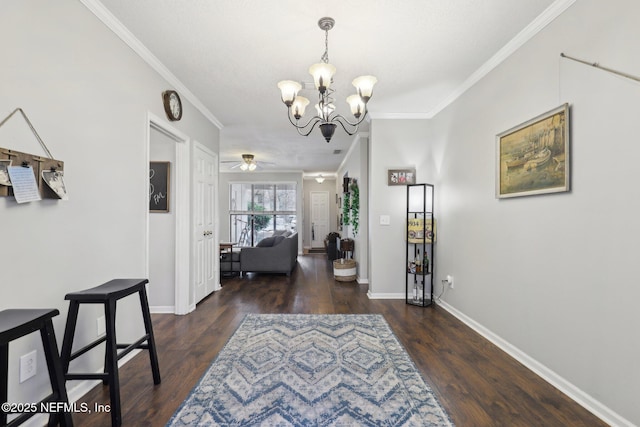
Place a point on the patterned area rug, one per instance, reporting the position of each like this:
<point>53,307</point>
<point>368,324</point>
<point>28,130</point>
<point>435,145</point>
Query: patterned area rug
<point>312,370</point>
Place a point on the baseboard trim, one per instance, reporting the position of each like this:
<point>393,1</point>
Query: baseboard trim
<point>374,295</point>
<point>585,400</point>
<point>162,309</point>
<point>362,281</point>
<point>74,394</point>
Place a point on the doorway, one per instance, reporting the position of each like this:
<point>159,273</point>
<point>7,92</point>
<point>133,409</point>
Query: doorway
<point>181,303</point>
<point>205,222</point>
<point>319,218</point>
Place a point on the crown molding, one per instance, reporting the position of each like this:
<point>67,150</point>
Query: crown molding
<point>537,25</point>
<point>107,18</point>
<point>544,19</point>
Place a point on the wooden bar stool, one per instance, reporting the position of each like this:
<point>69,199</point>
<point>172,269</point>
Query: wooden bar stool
<point>107,294</point>
<point>16,323</point>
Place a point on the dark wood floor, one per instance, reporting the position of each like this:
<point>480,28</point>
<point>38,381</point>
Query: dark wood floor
<point>478,384</point>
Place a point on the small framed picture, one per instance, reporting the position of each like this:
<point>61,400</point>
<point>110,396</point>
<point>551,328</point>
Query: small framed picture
<point>401,176</point>
<point>55,181</point>
<point>159,186</point>
<point>4,173</point>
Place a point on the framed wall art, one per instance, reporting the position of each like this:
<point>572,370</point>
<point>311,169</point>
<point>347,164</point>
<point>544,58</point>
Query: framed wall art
<point>159,185</point>
<point>401,176</point>
<point>533,157</point>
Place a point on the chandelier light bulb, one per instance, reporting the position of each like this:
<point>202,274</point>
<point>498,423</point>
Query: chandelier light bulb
<point>244,166</point>
<point>326,110</point>
<point>364,86</point>
<point>322,75</point>
<point>320,179</point>
<point>289,90</point>
<point>252,166</point>
<point>299,105</point>
<point>357,105</point>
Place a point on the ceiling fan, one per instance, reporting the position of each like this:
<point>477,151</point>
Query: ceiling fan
<point>248,163</point>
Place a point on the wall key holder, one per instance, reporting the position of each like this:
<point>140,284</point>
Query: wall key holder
<point>38,163</point>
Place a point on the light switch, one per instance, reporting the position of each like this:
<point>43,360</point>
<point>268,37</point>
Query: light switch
<point>385,220</point>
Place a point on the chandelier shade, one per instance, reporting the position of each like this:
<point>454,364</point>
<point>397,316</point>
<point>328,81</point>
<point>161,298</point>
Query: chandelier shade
<point>299,105</point>
<point>364,86</point>
<point>357,105</point>
<point>289,90</point>
<point>327,119</point>
<point>322,75</point>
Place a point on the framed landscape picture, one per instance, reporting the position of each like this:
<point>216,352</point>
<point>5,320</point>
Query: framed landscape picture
<point>533,157</point>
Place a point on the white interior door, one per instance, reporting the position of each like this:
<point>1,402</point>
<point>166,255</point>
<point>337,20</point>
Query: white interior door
<point>319,217</point>
<point>204,215</point>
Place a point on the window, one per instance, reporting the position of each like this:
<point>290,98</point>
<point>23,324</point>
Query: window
<point>256,211</point>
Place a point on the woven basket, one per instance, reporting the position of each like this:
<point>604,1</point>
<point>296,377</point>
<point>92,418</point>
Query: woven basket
<point>344,270</point>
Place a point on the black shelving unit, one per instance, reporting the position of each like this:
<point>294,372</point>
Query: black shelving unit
<point>420,251</point>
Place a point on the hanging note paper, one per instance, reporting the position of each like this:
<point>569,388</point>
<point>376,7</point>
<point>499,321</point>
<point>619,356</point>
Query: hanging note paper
<point>23,180</point>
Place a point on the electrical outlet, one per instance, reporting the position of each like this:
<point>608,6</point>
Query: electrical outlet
<point>101,326</point>
<point>450,280</point>
<point>28,366</point>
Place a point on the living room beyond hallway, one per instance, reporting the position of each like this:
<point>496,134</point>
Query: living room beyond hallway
<point>476,383</point>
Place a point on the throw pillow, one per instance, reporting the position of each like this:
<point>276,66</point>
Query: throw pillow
<point>266,242</point>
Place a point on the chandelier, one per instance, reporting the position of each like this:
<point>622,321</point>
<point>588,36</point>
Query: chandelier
<point>326,119</point>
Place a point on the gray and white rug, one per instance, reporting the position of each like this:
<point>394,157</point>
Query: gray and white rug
<point>312,370</point>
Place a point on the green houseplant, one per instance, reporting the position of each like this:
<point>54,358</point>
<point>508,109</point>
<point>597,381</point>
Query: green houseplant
<point>355,206</point>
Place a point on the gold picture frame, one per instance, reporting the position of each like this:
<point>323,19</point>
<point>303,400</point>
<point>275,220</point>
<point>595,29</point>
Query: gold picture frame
<point>533,157</point>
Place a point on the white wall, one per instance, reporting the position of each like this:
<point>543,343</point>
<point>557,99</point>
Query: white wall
<point>393,144</point>
<point>88,95</point>
<point>355,166</point>
<point>553,277</point>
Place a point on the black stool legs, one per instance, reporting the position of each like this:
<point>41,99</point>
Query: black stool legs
<point>16,323</point>
<point>107,295</point>
<point>151,342</point>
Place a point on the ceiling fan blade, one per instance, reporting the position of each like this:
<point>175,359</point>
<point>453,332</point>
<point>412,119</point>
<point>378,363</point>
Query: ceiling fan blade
<point>236,166</point>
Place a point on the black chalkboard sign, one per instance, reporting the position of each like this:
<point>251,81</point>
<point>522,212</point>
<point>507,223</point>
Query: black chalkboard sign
<point>159,185</point>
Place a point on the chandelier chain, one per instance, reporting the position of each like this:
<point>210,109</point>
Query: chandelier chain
<point>325,56</point>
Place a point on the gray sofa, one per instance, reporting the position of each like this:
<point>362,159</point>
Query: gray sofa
<point>277,254</point>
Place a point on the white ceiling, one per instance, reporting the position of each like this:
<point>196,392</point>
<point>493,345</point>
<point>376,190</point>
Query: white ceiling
<point>231,53</point>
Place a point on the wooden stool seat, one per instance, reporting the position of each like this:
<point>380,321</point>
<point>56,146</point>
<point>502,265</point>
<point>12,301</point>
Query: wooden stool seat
<point>16,323</point>
<point>108,294</point>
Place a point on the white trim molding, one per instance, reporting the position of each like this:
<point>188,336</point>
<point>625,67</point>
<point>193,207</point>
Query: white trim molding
<point>585,400</point>
<point>371,295</point>
<point>162,309</point>
<point>544,19</point>
<point>107,18</point>
<point>537,25</point>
